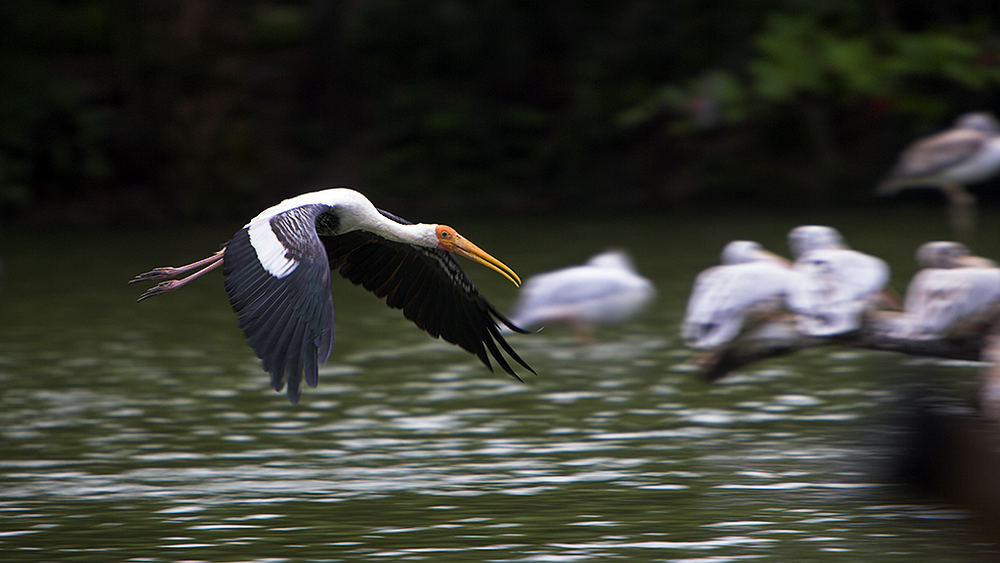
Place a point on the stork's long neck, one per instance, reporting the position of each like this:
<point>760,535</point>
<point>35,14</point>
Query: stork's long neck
<point>361,214</point>
<point>421,234</point>
<point>350,211</point>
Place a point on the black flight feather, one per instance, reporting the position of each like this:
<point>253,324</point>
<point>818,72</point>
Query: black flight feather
<point>430,287</point>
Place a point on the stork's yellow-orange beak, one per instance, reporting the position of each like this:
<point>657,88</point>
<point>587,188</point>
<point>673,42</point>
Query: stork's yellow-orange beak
<point>454,242</point>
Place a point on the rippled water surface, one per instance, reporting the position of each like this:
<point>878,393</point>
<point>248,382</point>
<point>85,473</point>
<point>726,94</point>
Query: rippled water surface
<point>147,432</point>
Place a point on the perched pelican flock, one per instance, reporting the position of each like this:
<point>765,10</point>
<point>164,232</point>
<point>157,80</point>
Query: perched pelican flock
<point>277,274</point>
<point>829,290</point>
<point>606,289</point>
<point>828,287</point>
<point>967,153</point>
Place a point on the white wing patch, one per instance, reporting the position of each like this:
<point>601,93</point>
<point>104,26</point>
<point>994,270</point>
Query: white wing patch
<point>270,252</point>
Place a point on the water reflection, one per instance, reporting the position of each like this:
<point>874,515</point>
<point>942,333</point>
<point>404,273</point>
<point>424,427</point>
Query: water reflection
<point>166,435</point>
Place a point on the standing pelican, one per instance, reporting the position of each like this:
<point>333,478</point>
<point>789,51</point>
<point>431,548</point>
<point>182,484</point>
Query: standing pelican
<point>833,284</point>
<point>277,274</point>
<point>749,280</point>
<point>604,290</point>
<point>953,286</point>
<point>967,153</point>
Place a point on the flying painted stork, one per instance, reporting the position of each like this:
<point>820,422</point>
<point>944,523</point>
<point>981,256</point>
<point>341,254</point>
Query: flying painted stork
<point>606,289</point>
<point>750,280</point>
<point>954,285</point>
<point>967,153</point>
<point>277,274</point>
<point>833,284</point>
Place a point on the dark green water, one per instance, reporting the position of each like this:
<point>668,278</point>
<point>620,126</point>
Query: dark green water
<point>146,432</point>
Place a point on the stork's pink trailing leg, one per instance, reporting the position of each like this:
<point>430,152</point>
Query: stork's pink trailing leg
<point>206,265</point>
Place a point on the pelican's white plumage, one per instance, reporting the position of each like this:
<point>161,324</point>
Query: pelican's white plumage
<point>750,280</point>
<point>606,289</point>
<point>834,284</point>
<point>953,285</point>
<point>968,152</point>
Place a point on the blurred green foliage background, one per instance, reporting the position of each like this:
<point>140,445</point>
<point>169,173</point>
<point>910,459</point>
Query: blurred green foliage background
<point>117,111</point>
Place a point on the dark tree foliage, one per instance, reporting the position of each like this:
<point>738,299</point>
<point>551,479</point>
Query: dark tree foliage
<point>122,111</point>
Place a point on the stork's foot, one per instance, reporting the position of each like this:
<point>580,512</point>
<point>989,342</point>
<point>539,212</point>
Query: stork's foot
<point>165,272</point>
<point>160,289</point>
<point>206,265</point>
<point>157,274</point>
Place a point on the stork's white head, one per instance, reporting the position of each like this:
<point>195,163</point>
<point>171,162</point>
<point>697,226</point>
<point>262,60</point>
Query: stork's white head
<point>806,238</point>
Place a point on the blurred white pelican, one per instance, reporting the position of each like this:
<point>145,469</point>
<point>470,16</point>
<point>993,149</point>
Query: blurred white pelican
<point>750,280</point>
<point>604,290</point>
<point>833,284</point>
<point>967,153</point>
<point>953,285</point>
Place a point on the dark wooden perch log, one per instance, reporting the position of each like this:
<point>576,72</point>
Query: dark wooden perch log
<point>776,335</point>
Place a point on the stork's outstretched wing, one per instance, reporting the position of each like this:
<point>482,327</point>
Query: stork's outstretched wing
<point>287,319</point>
<point>430,287</point>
